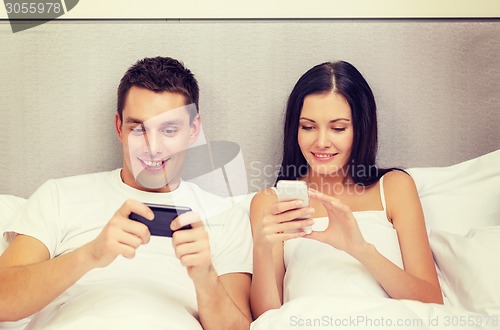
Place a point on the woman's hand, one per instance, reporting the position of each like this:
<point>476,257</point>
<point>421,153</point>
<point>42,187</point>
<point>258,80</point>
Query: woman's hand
<point>343,231</point>
<point>279,223</point>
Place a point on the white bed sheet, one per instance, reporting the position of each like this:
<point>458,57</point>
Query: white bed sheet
<point>360,312</point>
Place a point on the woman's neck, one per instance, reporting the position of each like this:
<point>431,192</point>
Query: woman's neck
<point>331,184</point>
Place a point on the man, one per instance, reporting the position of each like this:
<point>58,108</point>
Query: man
<point>79,261</point>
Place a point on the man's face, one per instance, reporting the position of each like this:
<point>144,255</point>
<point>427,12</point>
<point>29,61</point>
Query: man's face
<point>155,132</point>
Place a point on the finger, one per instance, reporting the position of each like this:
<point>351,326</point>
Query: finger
<point>191,248</point>
<point>195,259</point>
<point>281,207</point>
<point>319,196</point>
<point>133,206</point>
<point>115,247</point>
<point>120,223</point>
<point>127,251</point>
<point>329,202</point>
<point>188,236</point>
<point>130,239</point>
<point>189,218</point>
<point>285,236</point>
<point>297,213</point>
<point>137,229</point>
<point>316,235</point>
<point>292,225</point>
<point>302,213</point>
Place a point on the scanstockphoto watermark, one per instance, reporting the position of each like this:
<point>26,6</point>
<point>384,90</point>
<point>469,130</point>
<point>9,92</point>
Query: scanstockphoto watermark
<point>361,321</point>
<point>26,14</point>
<point>267,172</point>
<point>364,321</point>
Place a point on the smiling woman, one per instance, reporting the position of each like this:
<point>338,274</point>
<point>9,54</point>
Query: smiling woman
<point>325,122</point>
<point>331,129</point>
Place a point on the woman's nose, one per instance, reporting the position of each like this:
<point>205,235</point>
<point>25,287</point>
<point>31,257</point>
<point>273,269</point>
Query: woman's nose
<point>323,140</point>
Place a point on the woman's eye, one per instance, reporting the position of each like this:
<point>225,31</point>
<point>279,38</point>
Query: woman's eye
<point>306,128</point>
<point>339,129</point>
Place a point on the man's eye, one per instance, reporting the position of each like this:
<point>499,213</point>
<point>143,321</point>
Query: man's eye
<point>138,130</point>
<point>169,131</point>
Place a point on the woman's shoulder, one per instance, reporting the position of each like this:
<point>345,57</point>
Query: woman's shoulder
<point>400,193</point>
<point>265,196</point>
<point>260,203</point>
<point>398,180</point>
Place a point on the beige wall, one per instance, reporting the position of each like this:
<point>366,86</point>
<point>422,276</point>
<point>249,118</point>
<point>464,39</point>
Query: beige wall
<point>437,84</point>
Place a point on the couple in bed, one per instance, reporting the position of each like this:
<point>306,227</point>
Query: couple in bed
<point>78,261</point>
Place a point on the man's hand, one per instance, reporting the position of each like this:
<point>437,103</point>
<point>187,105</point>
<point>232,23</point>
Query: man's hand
<point>192,246</point>
<point>120,236</point>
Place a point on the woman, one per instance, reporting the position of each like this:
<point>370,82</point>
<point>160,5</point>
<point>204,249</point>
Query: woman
<point>373,240</point>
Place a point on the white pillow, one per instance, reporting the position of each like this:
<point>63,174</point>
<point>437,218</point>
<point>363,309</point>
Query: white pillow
<point>9,205</point>
<point>470,268</point>
<point>460,197</point>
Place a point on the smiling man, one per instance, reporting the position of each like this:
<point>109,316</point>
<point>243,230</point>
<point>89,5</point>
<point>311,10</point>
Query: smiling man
<point>154,140</point>
<point>78,261</point>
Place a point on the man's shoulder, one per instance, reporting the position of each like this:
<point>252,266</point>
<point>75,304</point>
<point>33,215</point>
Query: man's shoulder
<point>85,178</point>
<point>80,182</point>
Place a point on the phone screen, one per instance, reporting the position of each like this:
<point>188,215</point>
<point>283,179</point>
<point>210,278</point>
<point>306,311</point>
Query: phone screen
<point>164,215</point>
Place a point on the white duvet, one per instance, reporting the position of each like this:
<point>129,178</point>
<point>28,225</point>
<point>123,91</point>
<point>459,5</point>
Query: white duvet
<point>357,312</point>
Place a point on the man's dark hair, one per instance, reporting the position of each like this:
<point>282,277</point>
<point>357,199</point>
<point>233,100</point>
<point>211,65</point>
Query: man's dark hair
<point>159,74</point>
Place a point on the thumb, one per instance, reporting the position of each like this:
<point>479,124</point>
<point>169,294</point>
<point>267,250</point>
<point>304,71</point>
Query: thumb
<point>189,218</point>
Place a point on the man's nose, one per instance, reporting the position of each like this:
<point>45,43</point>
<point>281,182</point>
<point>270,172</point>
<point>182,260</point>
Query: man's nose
<point>154,142</point>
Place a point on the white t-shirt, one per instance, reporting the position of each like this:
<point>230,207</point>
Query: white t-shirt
<point>150,291</point>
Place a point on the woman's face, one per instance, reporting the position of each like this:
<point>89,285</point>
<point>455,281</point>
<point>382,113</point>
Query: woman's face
<point>326,133</point>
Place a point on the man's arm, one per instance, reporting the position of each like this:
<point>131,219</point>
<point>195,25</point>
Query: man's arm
<point>30,280</point>
<point>223,301</point>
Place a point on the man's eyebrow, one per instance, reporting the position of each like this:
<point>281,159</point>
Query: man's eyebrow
<point>131,120</point>
<point>172,122</point>
<point>135,121</point>
<point>331,121</point>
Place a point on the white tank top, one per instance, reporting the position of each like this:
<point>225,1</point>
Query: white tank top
<point>316,268</point>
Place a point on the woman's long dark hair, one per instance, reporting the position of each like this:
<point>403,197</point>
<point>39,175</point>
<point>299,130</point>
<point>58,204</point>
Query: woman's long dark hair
<point>343,78</point>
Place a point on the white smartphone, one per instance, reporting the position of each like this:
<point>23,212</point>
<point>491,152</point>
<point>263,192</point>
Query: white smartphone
<point>292,189</point>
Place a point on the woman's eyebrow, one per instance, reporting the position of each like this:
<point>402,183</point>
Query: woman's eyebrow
<point>331,121</point>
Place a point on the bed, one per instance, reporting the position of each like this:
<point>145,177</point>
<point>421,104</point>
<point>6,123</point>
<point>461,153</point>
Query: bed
<point>462,211</point>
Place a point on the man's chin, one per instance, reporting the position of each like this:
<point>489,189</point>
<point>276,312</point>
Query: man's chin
<point>152,180</point>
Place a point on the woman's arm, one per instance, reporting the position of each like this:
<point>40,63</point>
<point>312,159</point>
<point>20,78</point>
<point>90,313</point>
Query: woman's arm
<point>418,280</point>
<point>269,221</point>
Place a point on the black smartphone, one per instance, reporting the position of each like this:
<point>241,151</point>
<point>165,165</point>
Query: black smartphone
<point>164,215</point>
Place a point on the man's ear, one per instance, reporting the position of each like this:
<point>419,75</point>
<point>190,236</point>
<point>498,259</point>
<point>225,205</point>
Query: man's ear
<point>118,127</point>
<point>195,129</point>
